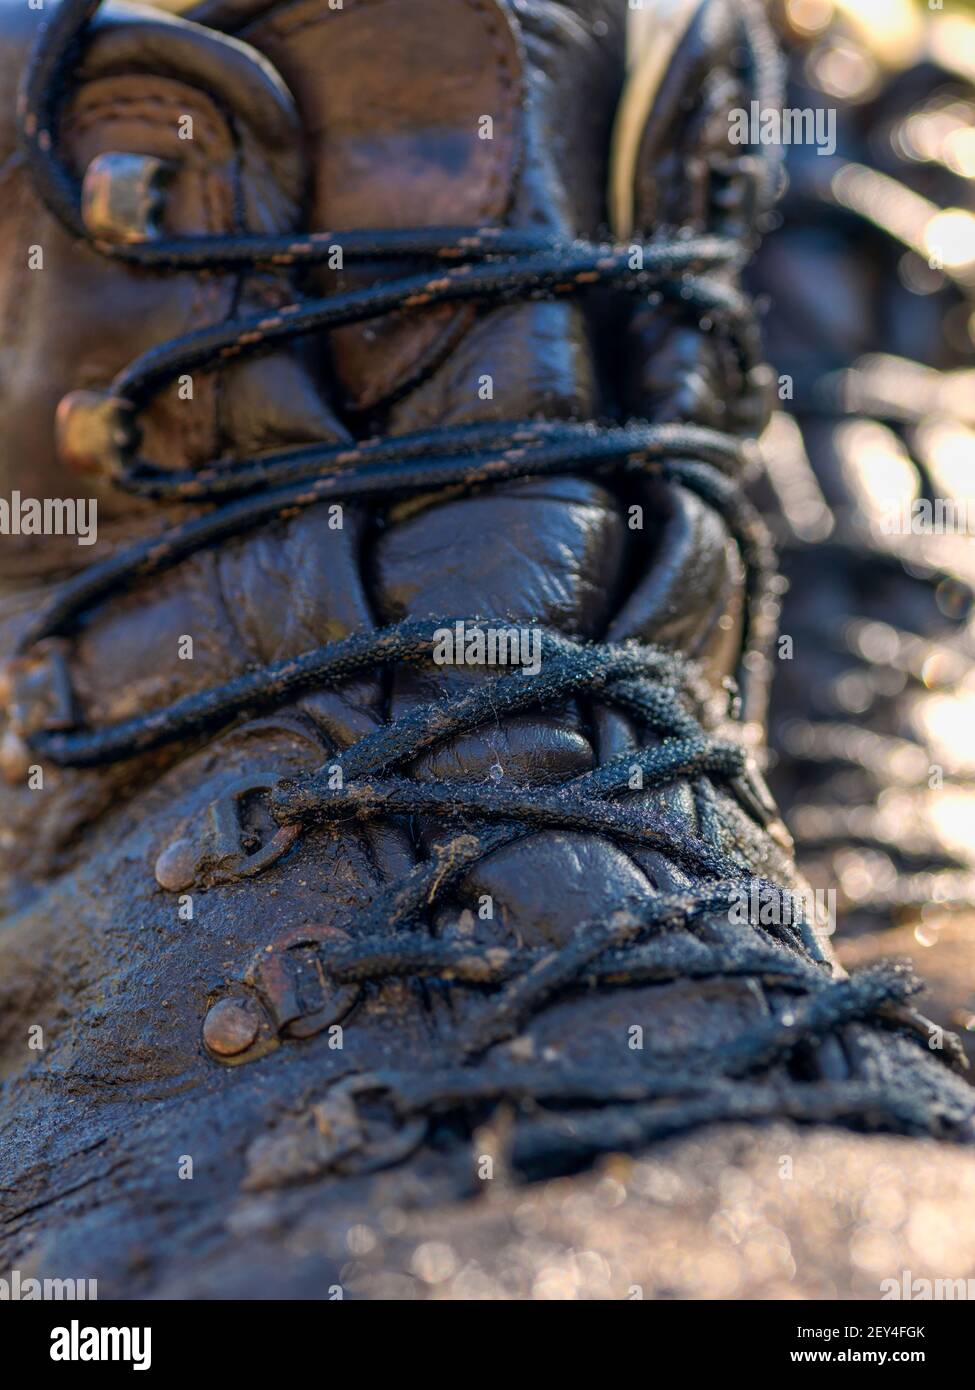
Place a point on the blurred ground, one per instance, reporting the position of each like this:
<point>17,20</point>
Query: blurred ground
<point>736,1213</point>
<point>731,1214</point>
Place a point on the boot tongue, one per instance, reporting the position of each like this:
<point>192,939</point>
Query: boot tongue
<point>412,117</point>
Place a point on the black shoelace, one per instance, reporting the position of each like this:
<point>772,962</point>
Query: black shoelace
<point>674,936</point>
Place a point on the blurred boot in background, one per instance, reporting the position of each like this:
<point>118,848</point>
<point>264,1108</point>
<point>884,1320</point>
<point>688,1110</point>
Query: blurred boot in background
<point>870,324</point>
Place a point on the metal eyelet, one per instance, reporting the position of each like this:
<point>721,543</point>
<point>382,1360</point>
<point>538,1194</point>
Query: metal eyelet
<point>285,994</point>
<point>292,981</point>
<point>217,853</point>
<point>122,196</point>
<point>96,434</point>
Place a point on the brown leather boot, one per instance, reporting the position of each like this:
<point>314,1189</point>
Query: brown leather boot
<point>315,907</point>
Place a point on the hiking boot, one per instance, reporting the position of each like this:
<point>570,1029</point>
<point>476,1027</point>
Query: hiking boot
<point>872,287</point>
<point>382,825</point>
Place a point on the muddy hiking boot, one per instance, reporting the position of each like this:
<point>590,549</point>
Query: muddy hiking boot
<point>871,280</point>
<point>381,829</point>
